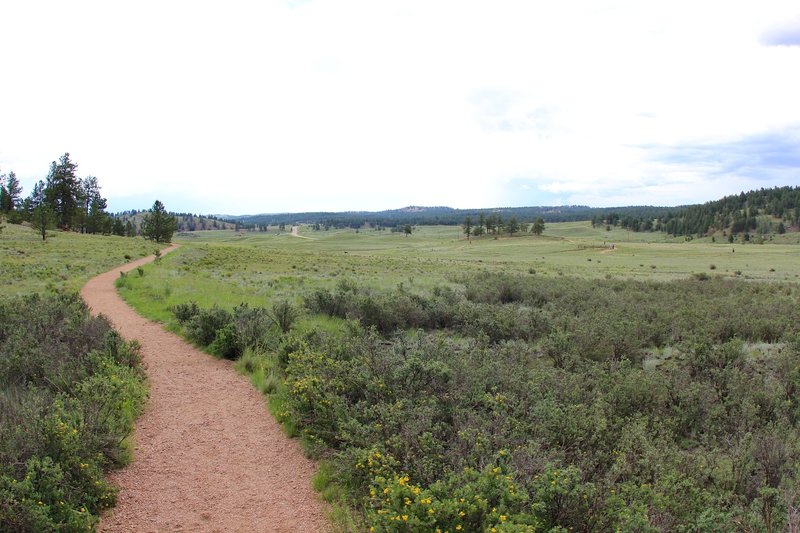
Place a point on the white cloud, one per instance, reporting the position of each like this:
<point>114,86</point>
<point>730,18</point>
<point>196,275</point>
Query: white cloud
<point>281,106</point>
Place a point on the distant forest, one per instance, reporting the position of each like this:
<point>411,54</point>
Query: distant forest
<point>764,211</point>
<point>186,221</point>
<point>446,216</point>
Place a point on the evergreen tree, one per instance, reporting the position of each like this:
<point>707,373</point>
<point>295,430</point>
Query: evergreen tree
<point>512,226</point>
<point>42,216</point>
<point>130,229</point>
<point>158,225</point>
<point>92,214</point>
<point>538,226</point>
<point>14,192</point>
<point>490,222</point>
<point>118,228</point>
<point>63,191</point>
<point>5,200</point>
<point>468,227</point>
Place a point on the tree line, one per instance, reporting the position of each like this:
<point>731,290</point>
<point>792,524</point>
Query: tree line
<point>64,201</point>
<point>495,225</point>
<point>775,210</point>
<point>754,211</point>
<point>446,216</point>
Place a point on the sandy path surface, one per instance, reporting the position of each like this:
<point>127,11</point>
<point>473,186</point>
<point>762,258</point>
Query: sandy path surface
<point>296,233</point>
<point>208,455</point>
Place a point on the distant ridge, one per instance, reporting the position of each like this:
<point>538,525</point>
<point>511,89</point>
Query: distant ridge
<point>775,210</point>
<point>439,215</point>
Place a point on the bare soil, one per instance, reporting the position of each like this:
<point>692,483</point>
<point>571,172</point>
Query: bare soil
<point>207,454</point>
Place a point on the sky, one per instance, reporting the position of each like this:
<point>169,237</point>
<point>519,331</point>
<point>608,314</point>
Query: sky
<point>244,107</point>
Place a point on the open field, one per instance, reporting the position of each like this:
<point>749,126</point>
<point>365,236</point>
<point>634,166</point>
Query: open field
<point>227,269</point>
<point>62,263</point>
<point>535,381</point>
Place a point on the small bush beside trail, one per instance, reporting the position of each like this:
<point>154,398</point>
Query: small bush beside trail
<point>227,334</point>
<point>70,388</point>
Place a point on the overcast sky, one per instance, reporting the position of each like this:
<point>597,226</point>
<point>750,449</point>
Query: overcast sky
<point>255,106</point>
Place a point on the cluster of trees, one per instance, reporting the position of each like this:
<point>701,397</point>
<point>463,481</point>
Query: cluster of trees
<point>743,213</point>
<point>71,203</point>
<point>62,200</point>
<point>10,195</point>
<point>739,213</point>
<point>195,222</point>
<point>495,225</point>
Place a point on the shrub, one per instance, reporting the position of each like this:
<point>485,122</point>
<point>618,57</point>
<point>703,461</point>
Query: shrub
<point>252,326</point>
<point>184,312</point>
<point>203,326</point>
<point>284,315</point>
<point>226,343</point>
<point>70,388</point>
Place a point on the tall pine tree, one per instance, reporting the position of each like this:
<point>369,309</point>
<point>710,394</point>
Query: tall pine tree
<point>63,191</point>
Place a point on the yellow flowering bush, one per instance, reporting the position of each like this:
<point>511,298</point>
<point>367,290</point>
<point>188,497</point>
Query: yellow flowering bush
<point>469,501</point>
<point>71,390</point>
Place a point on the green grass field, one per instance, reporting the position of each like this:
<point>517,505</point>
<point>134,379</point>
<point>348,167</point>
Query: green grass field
<point>585,320</point>
<point>64,262</point>
<point>227,268</point>
<point>569,365</point>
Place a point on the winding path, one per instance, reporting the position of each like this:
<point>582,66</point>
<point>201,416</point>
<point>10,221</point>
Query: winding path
<point>208,456</point>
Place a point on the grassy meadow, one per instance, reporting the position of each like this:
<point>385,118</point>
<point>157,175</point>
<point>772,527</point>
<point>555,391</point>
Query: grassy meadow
<point>584,380</point>
<point>228,268</point>
<point>61,263</point>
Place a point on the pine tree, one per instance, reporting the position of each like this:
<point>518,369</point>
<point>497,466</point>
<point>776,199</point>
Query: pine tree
<point>158,225</point>
<point>512,226</point>
<point>94,218</point>
<point>14,191</point>
<point>41,214</point>
<point>5,200</point>
<point>538,226</point>
<point>468,227</point>
<point>63,191</point>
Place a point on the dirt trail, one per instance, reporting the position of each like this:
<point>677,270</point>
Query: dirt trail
<point>296,233</point>
<point>208,456</point>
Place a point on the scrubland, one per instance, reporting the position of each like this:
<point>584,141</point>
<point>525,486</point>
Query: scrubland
<point>512,384</point>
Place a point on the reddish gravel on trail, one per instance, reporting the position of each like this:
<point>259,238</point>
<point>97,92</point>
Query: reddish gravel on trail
<point>208,456</point>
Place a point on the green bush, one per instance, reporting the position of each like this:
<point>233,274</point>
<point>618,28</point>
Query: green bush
<point>184,312</point>
<point>70,388</point>
<point>226,343</point>
<point>203,326</point>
